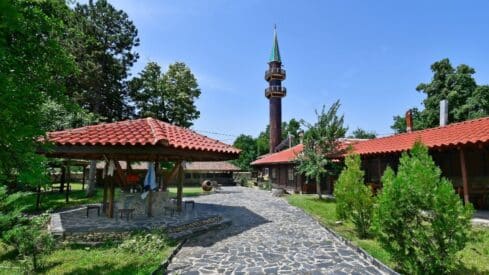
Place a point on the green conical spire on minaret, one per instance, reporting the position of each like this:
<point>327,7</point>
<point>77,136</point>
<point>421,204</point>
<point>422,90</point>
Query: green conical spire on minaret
<point>275,54</point>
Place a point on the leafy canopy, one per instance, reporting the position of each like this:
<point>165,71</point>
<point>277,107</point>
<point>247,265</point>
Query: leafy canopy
<point>169,97</point>
<point>466,99</point>
<point>320,141</point>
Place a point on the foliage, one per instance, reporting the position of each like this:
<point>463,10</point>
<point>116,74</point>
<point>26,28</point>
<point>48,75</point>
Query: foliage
<point>146,242</point>
<point>354,199</point>
<point>103,49</point>
<point>247,144</point>
<point>466,99</point>
<point>34,68</point>
<point>321,141</point>
<point>293,127</point>
<point>361,133</point>
<point>31,240</point>
<point>57,117</point>
<point>169,97</point>
<point>106,258</point>
<point>474,257</point>
<point>420,220</point>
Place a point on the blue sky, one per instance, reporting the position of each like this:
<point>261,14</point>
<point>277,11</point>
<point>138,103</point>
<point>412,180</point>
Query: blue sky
<point>370,55</point>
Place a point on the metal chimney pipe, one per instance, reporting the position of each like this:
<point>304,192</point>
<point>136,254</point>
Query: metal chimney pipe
<point>443,113</point>
<point>409,121</point>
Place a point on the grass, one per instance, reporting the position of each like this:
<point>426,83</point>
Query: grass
<point>190,191</point>
<point>52,201</point>
<point>474,258</point>
<point>107,258</point>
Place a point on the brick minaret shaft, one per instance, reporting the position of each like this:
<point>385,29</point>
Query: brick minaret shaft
<point>274,75</point>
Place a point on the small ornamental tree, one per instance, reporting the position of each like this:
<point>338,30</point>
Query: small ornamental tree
<point>353,198</point>
<point>420,220</point>
<point>320,141</point>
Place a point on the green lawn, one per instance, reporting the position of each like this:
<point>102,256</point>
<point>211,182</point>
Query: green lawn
<point>55,200</point>
<point>474,258</point>
<point>106,258</point>
<point>188,191</point>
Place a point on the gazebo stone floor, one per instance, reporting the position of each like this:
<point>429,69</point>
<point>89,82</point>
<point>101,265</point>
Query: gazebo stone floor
<point>74,225</point>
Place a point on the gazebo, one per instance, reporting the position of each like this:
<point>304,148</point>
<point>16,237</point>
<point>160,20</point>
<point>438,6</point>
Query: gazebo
<point>145,139</point>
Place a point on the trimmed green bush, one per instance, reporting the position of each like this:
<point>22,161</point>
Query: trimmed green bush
<point>420,219</point>
<point>354,199</point>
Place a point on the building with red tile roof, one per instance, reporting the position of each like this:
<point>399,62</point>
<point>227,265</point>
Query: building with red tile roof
<point>461,150</point>
<point>471,132</point>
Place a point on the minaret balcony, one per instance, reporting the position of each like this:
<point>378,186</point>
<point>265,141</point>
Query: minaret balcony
<point>275,91</point>
<point>275,73</point>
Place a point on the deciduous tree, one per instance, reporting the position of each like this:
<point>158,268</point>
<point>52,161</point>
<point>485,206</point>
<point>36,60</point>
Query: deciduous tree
<point>320,141</point>
<point>466,99</point>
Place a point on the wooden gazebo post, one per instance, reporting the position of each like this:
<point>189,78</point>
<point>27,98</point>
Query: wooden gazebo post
<point>180,186</point>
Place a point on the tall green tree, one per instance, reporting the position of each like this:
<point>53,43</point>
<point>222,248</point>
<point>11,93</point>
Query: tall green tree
<point>458,86</point>
<point>170,96</point>
<point>104,53</point>
<point>34,68</point>
<point>247,144</point>
<point>321,140</point>
<point>361,133</point>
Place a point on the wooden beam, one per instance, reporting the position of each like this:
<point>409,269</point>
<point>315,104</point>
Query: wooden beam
<point>120,173</point>
<point>68,176</point>
<point>180,187</point>
<point>111,195</point>
<point>104,200</point>
<point>463,167</point>
<point>136,153</point>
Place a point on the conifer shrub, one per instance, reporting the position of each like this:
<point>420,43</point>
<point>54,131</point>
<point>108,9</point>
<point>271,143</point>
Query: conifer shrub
<point>420,220</point>
<point>354,199</point>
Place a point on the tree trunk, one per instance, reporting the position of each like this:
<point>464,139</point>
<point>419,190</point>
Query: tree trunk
<point>90,191</point>
<point>318,187</point>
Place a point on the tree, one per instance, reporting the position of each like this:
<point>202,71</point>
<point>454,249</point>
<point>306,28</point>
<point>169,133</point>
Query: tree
<point>169,97</point>
<point>321,141</point>
<point>104,54</point>
<point>247,144</point>
<point>293,127</point>
<point>361,133</point>
<point>420,220</point>
<point>456,85</point>
<point>354,199</point>
<point>34,68</point>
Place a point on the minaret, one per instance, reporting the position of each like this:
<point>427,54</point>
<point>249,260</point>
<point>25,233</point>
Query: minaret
<point>274,75</point>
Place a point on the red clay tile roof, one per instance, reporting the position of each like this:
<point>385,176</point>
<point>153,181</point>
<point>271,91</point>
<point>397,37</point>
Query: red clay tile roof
<point>467,132</point>
<point>145,131</point>
<point>284,156</point>
<point>290,155</point>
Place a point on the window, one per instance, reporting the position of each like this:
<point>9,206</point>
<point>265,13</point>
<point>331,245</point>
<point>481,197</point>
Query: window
<point>188,175</point>
<point>290,174</point>
<point>274,173</point>
<point>265,172</point>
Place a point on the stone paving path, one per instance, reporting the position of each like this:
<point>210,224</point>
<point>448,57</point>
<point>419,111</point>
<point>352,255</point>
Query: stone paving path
<point>267,236</point>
